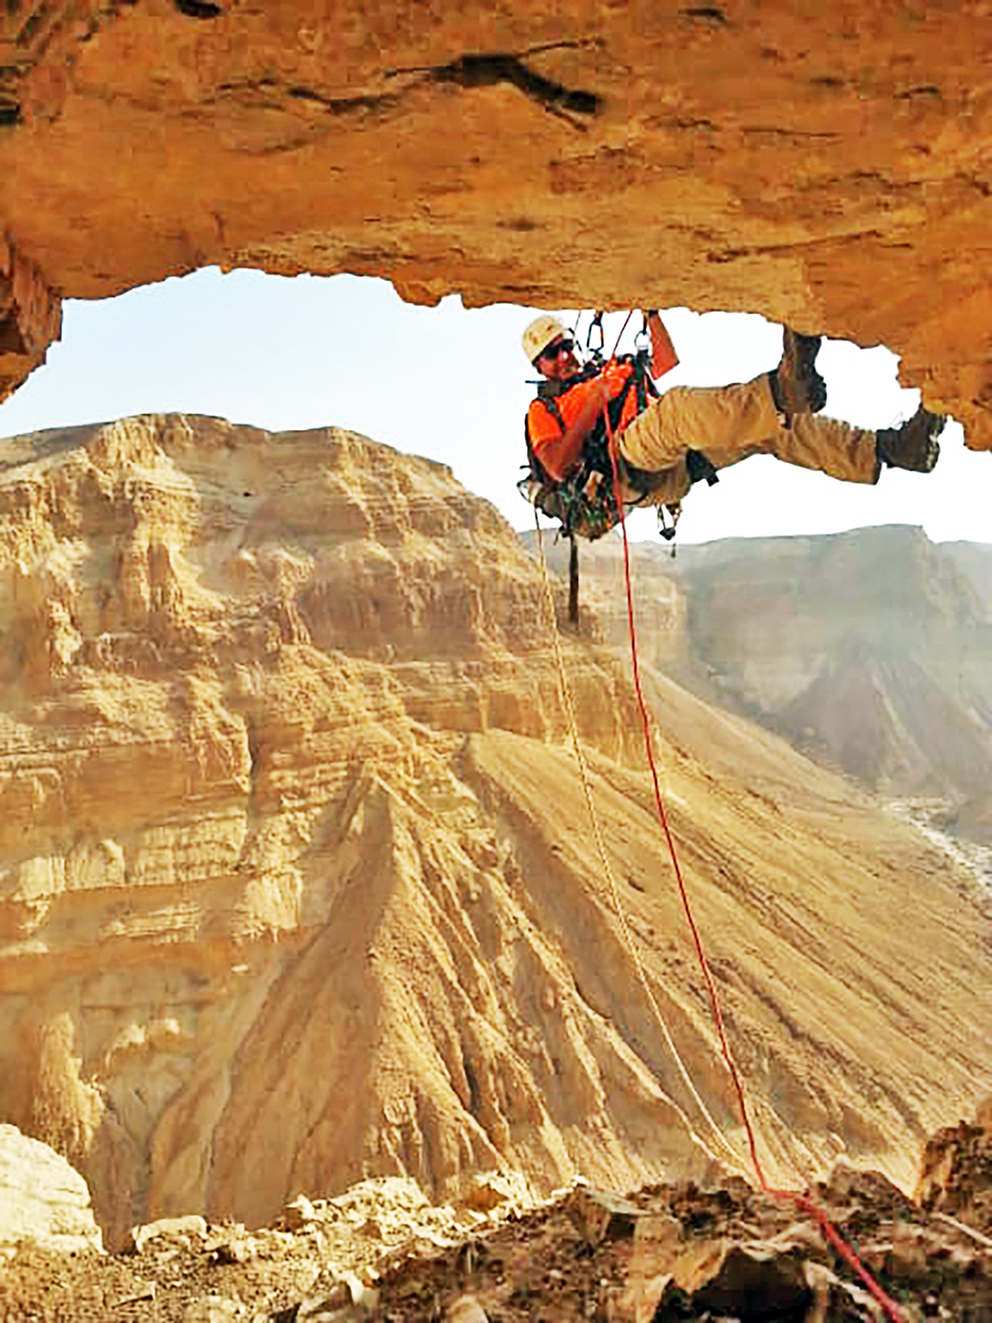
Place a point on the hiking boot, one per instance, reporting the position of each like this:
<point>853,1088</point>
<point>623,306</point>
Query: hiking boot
<point>914,445</point>
<point>796,385</point>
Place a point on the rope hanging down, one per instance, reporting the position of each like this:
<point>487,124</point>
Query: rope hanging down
<point>568,706</point>
<point>800,1200</point>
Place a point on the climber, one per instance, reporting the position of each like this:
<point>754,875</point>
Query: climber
<point>667,442</point>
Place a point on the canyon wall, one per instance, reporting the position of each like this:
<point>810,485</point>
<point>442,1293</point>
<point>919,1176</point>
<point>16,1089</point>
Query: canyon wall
<point>775,158</point>
<point>299,884</point>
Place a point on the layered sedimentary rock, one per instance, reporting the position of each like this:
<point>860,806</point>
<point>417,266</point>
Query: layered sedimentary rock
<point>299,884</point>
<point>768,158</point>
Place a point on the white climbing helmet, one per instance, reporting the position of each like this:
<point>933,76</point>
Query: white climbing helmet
<point>540,333</point>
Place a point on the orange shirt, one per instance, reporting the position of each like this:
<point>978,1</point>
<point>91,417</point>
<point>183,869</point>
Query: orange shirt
<point>543,427</point>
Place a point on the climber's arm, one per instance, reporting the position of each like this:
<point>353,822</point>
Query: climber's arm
<point>560,456</point>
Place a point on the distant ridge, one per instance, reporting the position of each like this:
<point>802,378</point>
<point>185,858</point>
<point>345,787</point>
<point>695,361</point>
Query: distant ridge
<point>870,650</point>
<point>975,559</point>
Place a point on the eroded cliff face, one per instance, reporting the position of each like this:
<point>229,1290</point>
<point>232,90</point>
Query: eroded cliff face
<point>299,884</point>
<point>824,165</point>
<point>236,671</point>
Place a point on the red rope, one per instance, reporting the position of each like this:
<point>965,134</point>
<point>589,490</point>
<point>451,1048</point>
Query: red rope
<point>663,818</point>
<point>801,1201</point>
<point>831,1233</point>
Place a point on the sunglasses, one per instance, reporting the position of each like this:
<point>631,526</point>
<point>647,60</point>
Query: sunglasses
<point>559,347</point>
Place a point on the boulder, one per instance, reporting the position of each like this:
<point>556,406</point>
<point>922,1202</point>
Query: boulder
<point>183,1229</point>
<point>43,1200</point>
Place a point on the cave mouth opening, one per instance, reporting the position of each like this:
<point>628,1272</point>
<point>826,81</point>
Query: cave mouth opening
<point>452,384</point>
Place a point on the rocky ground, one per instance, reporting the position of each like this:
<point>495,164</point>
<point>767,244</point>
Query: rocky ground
<point>664,1253</point>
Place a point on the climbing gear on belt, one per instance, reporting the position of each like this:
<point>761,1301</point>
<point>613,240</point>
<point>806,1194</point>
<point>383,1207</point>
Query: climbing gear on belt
<point>666,529</point>
<point>596,339</point>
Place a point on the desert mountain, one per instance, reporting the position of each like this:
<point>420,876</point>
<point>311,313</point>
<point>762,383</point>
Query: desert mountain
<point>975,558</point>
<point>299,885</point>
<point>871,651</point>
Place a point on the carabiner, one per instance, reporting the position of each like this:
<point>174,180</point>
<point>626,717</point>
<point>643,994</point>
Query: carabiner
<point>667,531</point>
<point>595,337</point>
<point>642,340</point>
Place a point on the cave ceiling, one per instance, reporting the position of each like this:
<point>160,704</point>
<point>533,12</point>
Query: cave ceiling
<point>827,166</point>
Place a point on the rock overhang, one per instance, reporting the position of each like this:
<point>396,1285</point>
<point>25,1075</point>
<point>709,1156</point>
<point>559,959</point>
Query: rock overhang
<point>829,169</point>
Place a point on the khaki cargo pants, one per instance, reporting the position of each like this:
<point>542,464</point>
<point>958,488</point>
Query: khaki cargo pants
<point>731,423</point>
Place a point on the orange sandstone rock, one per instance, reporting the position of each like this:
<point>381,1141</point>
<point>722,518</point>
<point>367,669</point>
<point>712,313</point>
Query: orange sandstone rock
<point>825,166</point>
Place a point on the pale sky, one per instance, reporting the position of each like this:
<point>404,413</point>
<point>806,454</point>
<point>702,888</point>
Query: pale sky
<point>452,384</point>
